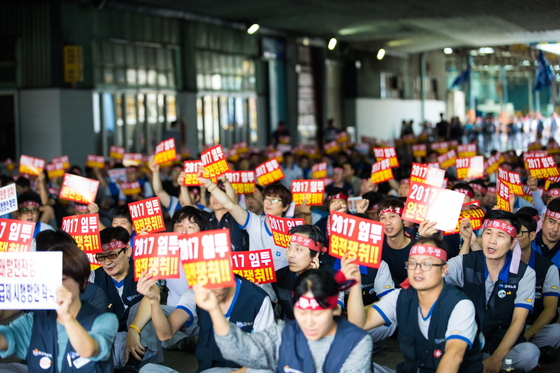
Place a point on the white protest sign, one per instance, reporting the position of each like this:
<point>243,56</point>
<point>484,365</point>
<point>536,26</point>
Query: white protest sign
<point>8,199</point>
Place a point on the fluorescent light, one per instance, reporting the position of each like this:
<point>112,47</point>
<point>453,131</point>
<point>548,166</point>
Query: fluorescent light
<point>332,44</point>
<point>550,48</point>
<point>254,28</point>
<point>381,54</point>
<point>447,50</point>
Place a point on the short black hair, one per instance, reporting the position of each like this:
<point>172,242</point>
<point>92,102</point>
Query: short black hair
<point>29,196</point>
<point>390,202</point>
<point>554,186</point>
<point>336,190</point>
<point>527,221</point>
<point>23,182</point>
<point>114,233</point>
<point>529,210</point>
<point>121,212</point>
<point>278,190</point>
<point>504,216</point>
<point>554,205</point>
<point>319,282</point>
<point>75,263</point>
<point>311,231</point>
<point>464,186</point>
<point>47,239</point>
<point>192,214</point>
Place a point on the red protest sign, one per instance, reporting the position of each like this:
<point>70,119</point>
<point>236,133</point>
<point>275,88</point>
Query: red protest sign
<point>422,173</point>
<point>85,231</point>
<point>550,180</point>
<point>281,229</point>
<point>275,154</point>
<point>243,182</point>
<point>256,266</point>
<point>78,189</point>
<point>95,161</point>
<point>55,170</point>
<point>312,190</point>
<point>387,153</point>
<point>214,161</point>
<point>147,214</point>
<point>132,159</point>
<point>472,212</point>
<point>158,254</point>
<point>206,256</point>
<point>16,235</point>
<point>428,202</point>
<point>62,159</point>
<point>447,159</point>
<point>232,155</point>
<point>165,152</point>
<point>419,150</point>
<point>360,238</point>
<point>269,172</point>
<point>319,170</point>
<point>512,180</point>
<point>332,147</point>
<point>502,196</point>
<point>342,137</point>
<point>116,152</point>
<point>241,147</point>
<point>190,168</point>
<point>553,148</point>
<point>31,166</point>
<point>440,147</point>
<point>536,145</point>
<point>466,150</point>
<point>491,165</point>
<point>542,167</point>
<point>130,189</point>
<point>381,171</point>
<point>472,167</point>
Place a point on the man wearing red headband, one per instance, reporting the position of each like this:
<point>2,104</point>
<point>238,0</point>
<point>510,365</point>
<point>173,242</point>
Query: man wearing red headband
<point>547,241</point>
<point>502,290</point>
<point>29,204</point>
<point>437,325</point>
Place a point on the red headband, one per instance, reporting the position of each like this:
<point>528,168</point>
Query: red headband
<point>554,192</point>
<point>113,245</point>
<point>491,190</point>
<point>552,214</point>
<point>308,242</point>
<point>339,196</point>
<point>338,169</point>
<point>478,187</point>
<point>306,303</point>
<point>502,226</point>
<point>428,250</point>
<point>80,207</point>
<point>29,203</point>
<point>394,210</point>
<point>465,192</point>
<point>405,181</point>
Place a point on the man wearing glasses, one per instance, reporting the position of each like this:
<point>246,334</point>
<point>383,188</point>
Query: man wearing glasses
<point>502,289</point>
<point>29,204</point>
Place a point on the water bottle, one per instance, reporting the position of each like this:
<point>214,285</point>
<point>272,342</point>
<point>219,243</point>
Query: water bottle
<point>508,366</point>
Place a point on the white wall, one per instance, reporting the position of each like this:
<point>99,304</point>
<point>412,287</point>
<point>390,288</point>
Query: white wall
<point>381,118</point>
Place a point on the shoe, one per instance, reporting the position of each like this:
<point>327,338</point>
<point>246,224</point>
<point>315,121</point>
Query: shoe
<point>188,344</point>
<point>548,355</point>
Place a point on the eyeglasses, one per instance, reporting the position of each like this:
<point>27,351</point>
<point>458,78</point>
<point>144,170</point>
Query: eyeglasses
<point>424,267</point>
<point>271,201</point>
<point>520,233</point>
<point>27,210</point>
<point>101,258</point>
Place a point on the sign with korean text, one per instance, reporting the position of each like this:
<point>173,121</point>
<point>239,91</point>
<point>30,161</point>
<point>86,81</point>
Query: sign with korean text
<point>85,231</point>
<point>542,167</point>
<point>280,228</point>
<point>466,150</point>
<point>512,180</point>
<point>553,148</point>
<point>62,159</point>
<point>95,161</point>
<point>78,189</point>
<point>214,161</point>
<point>30,280</point>
<point>132,159</point>
<point>117,175</point>
<point>447,159</point>
<point>8,199</point>
<point>55,170</point>
<point>387,153</point>
<point>158,254</point>
<point>269,172</point>
<point>332,147</point>
<point>422,173</point>
<point>491,165</point>
<point>231,155</point>
<point>550,180</point>
<point>471,167</point>
<point>256,266</point>
<point>31,166</point>
<point>440,147</point>
<point>15,235</point>
<point>502,196</point>
<point>165,152</point>
<point>381,171</point>
<point>311,190</point>
<point>116,152</point>
<point>342,137</point>
<point>147,214</point>
<point>241,147</point>
<point>206,258</point>
<point>419,150</point>
<point>243,182</point>
<point>536,145</point>
<point>190,168</point>
<point>9,164</point>
<point>472,212</point>
<point>360,238</point>
<point>130,189</point>
<point>428,202</point>
<point>275,154</point>
<point>319,170</point>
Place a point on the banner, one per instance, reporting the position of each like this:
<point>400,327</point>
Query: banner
<point>147,214</point>
<point>95,161</point>
<point>55,170</point>
<point>281,229</point>
<point>214,161</point>
<point>62,159</point>
<point>206,259</point>
<point>31,166</point>
<point>360,238</point>
<point>85,231</point>
<point>440,147</point>
<point>502,196</point>
<point>243,182</point>
<point>132,159</point>
<point>422,173</point>
<point>269,172</point>
<point>387,153</point>
<point>512,180</point>
<point>332,147</point>
<point>466,150</point>
<point>165,152</point>
<point>472,167</point>
<point>319,170</point>
<point>543,167</point>
<point>428,202</point>
<point>15,235</point>
<point>116,152</point>
<point>130,189</point>
<point>312,190</point>
<point>419,150</point>
<point>8,199</point>
<point>158,254</point>
<point>78,189</point>
<point>447,160</point>
<point>256,266</point>
<point>491,165</point>
<point>29,281</point>
<point>381,171</point>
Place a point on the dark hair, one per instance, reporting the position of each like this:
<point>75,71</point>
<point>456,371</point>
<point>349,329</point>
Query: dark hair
<point>191,213</point>
<point>554,205</point>
<point>374,198</point>
<point>463,186</point>
<point>336,190</point>
<point>23,182</point>
<point>527,221</point>
<point>75,263</point>
<point>311,231</point>
<point>46,239</point>
<point>349,164</point>
<point>278,190</point>
<point>503,216</point>
<point>434,241</point>
<point>390,202</point>
<point>321,284</point>
<point>529,210</point>
<point>114,233</point>
<point>121,212</point>
<point>29,196</point>
<point>259,187</point>
<point>554,186</point>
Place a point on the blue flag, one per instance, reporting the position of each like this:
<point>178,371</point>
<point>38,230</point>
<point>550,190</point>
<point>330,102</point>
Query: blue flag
<point>462,78</point>
<point>545,75</point>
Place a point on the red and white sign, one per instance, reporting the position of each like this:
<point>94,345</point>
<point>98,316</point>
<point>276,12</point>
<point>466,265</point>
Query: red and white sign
<point>269,172</point>
<point>319,170</point>
<point>190,168</point>
<point>9,164</point>
<point>165,152</point>
<point>542,167</point>
<point>15,235</point>
<point>62,159</point>
<point>31,166</point>
<point>472,167</point>
<point>132,159</point>
<point>214,161</point>
<point>116,152</point>
<point>243,182</point>
<point>440,147</point>
<point>130,189</point>
<point>281,229</point>
<point>85,231</point>
<point>95,161</point>
<point>147,214</point>
<point>502,196</point>
<point>8,199</point>
<point>55,170</point>
<point>419,150</point>
<point>466,150</point>
<point>159,254</point>
<point>491,165</point>
<point>447,159</point>
<point>381,171</point>
<point>311,190</point>
<point>332,147</point>
<point>256,266</point>
<point>512,180</point>
<point>474,213</point>
<point>387,153</point>
<point>78,189</point>
<point>241,147</point>
<point>422,173</point>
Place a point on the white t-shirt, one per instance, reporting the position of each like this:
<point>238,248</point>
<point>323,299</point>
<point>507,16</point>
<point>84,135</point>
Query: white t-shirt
<point>260,238</point>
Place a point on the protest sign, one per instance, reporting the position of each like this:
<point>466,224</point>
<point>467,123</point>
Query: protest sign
<point>332,147</point>
<point>8,199</point>
<point>381,171</point>
<point>147,214</point>
<point>16,235</point>
<point>130,189</point>
<point>214,161</point>
<point>30,165</point>
<point>95,161</point>
<point>472,167</point>
<point>165,152</point>
<point>78,189</point>
<point>491,165</point>
<point>319,170</point>
<point>55,170</point>
<point>158,254</point>
<point>269,172</point>
<point>503,201</point>
<point>512,180</point>
<point>311,190</point>
<point>85,231</point>
<point>243,182</point>
<point>466,150</point>
<point>470,211</point>
<point>419,150</point>
<point>422,173</point>
<point>440,147</point>
<point>281,229</point>
<point>62,159</point>
<point>256,266</point>
<point>116,152</point>
<point>542,167</point>
<point>447,159</point>
<point>132,159</point>
<point>117,175</point>
<point>387,153</point>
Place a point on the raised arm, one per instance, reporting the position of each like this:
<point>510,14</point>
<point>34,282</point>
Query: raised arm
<point>238,213</point>
<point>229,189</point>
<point>163,196</point>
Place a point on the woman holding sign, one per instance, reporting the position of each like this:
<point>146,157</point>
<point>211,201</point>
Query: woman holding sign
<point>316,341</point>
<point>84,334</point>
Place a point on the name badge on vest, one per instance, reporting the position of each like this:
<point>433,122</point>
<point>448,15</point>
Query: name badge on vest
<point>508,286</point>
<point>287,369</point>
<point>75,359</point>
